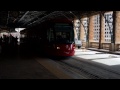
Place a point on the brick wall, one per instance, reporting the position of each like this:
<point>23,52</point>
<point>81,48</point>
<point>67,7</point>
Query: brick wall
<point>117,31</point>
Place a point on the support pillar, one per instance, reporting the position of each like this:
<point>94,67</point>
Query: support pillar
<point>117,30</point>
<point>102,31</point>
<point>112,46</point>
<point>91,29</point>
<point>82,33</point>
<point>87,36</point>
<point>75,33</point>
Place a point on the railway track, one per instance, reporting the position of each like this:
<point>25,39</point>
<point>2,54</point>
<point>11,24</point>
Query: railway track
<point>80,69</point>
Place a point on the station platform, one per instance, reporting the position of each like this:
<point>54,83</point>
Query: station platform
<point>105,51</point>
<point>22,62</point>
<point>100,58</point>
<point>19,63</point>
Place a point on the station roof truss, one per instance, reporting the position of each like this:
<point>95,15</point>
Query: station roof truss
<point>27,19</point>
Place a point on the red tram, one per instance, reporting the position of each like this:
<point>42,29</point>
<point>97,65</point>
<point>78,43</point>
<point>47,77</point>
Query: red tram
<point>54,37</point>
<point>59,39</point>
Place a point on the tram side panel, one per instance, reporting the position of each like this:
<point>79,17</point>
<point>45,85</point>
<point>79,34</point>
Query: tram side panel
<point>55,38</point>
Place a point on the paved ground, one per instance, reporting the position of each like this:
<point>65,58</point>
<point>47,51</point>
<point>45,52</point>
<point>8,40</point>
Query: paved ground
<point>19,63</point>
<point>109,61</point>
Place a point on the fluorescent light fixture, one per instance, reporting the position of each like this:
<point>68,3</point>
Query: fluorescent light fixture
<point>19,29</point>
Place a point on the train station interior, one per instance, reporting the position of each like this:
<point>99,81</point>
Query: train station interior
<point>21,49</point>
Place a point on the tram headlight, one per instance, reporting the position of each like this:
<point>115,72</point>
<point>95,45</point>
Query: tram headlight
<point>58,47</point>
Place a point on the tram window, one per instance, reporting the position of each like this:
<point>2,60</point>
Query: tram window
<point>63,36</point>
<point>64,33</point>
<point>50,35</point>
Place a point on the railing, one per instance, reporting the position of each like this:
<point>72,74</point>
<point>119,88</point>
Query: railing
<point>83,44</point>
<point>106,46</point>
<point>94,44</point>
<point>117,47</point>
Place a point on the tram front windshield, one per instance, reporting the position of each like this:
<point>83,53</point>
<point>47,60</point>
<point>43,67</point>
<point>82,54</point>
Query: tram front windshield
<point>64,33</point>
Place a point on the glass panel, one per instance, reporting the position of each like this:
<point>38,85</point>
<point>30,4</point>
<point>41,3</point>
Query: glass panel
<point>64,33</point>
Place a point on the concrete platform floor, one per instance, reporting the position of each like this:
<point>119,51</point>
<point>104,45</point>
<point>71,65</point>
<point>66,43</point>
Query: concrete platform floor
<point>19,63</point>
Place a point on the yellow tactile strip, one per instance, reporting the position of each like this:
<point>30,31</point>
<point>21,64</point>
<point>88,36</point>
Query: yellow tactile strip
<point>53,68</point>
